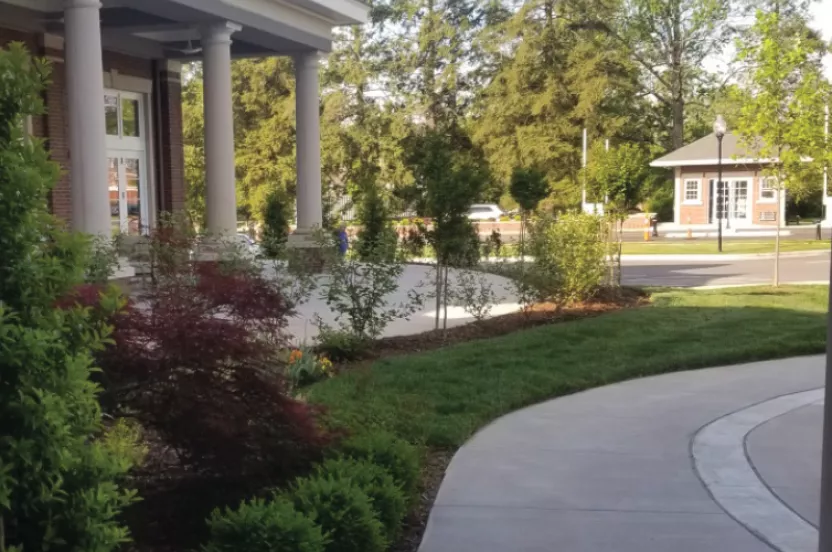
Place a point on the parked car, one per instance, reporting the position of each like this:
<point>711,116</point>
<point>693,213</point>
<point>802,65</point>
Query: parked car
<point>485,211</point>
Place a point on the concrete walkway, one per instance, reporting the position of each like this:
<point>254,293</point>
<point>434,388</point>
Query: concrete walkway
<point>414,277</point>
<point>717,460</point>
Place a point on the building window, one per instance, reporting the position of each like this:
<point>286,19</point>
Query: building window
<point>693,191</point>
<point>768,189</point>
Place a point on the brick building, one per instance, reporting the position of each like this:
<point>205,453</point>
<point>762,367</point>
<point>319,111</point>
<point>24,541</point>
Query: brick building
<point>745,199</point>
<point>114,112</point>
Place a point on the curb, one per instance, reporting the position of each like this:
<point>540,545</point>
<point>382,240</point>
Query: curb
<point>733,286</point>
<point>709,258</point>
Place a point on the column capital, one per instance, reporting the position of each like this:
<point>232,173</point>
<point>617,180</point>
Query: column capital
<point>71,4</point>
<point>218,33</point>
<point>307,59</point>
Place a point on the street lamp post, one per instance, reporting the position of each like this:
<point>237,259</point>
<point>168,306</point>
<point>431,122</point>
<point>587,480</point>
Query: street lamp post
<point>720,128</point>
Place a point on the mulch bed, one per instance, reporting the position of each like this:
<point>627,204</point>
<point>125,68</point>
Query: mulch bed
<point>540,314</point>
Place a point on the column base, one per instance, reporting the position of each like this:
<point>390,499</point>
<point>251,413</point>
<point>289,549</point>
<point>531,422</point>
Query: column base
<point>305,252</point>
<point>124,269</point>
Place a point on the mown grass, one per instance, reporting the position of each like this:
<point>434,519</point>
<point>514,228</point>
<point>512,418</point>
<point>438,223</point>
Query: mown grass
<point>441,398</point>
<point>709,246</point>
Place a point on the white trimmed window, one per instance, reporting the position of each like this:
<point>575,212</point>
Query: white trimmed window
<point>692,191</point>
<point>768,188</point>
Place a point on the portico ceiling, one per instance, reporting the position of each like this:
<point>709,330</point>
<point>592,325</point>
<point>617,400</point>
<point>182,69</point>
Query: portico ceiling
<point>170,28</point>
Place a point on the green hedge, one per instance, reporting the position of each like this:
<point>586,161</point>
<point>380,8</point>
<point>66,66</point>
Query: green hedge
<point>397,456</point>
<point>354,502</point>
<point>388,499</point>
<point>261,526</point>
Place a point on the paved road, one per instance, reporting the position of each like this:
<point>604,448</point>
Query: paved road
<point>809,268</point>
<point>650,465</point>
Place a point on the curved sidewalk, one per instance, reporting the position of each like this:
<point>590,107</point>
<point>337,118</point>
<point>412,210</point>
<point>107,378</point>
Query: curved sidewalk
<point>679,463</point>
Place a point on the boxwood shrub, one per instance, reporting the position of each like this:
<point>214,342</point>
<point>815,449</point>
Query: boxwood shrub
<point>344,512</point>
<point>264,526</point>
<point>389,502</point>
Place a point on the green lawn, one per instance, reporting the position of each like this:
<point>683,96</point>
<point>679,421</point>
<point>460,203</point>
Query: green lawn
<point>440,398</point>
<point>709,246</point>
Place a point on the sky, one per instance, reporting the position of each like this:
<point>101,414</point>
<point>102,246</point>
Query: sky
<point>822,20</point>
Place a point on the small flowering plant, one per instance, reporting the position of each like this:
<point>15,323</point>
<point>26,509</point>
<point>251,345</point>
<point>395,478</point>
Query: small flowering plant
<point>303,367</point>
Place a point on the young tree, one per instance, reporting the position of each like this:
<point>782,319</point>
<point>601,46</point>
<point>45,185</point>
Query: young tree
<point>783,117</point>
<point>618,175</point>
<point>59,468</point>
<point>528,188</point>
<point>276,216</point>
<point>450,182</point>
<point>377,239</point>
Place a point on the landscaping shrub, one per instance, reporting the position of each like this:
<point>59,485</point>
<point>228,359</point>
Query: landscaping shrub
<point>197,361</point>
<point>358,293</point>
<point>389,501</point>
<point>474,292</point>
<point>60,470</point>
<point>376,238</point>
<point>276,217</point>
<point>339,345</point>
<point>344,512</point>
<point>398,457</point>
<point>569,257</point>
<point>261,526</point>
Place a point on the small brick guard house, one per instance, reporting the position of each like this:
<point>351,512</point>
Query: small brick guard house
<point>749,198</point>
<point>114,111</point>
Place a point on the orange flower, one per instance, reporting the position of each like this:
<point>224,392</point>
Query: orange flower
<point>295,356</point>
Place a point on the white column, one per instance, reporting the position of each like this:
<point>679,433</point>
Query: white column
<point>220,195</point>
<point>308,132</point>
<point>87,131</point>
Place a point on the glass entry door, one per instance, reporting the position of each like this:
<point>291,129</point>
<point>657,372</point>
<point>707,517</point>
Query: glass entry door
<point>127,187</point>
<point>729,201</point>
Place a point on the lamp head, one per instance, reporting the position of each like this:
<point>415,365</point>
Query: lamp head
<point>720,127</point>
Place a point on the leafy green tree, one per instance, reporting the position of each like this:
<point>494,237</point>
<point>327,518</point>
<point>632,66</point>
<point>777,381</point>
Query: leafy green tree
<point>59,469</point>
<point>548,80</point>
<point>669,41</point>
<point>619,175</point>
<point>783,117</point>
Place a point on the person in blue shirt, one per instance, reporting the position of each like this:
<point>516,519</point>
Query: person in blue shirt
<point>343,240</point>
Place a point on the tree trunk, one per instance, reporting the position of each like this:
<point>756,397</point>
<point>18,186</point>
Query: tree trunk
<point>438,291</point>
<point>445,321</point>
<point>677,134</point>
<point>777,241</point>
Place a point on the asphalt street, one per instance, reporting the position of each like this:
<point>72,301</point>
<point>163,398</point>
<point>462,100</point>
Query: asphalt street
<point>695,273</point>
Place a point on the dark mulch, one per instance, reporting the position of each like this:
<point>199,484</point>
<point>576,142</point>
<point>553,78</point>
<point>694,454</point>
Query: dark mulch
<point>434,466</point>
<point>539,315</point>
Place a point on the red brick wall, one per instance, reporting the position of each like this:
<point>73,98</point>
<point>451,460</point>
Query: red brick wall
<point>171,155</point>
<point>53,126</point>
<point>698,214</point>
<point>128,65</point>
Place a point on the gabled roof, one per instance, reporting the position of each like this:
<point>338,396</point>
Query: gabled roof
<point>705,152</point>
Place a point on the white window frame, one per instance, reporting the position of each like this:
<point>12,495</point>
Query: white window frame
<point>685,200</point>
<point>760,197</point>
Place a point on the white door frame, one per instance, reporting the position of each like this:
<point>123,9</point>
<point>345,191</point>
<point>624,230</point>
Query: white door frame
<point>126,145</point>
<point>731,184</point>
